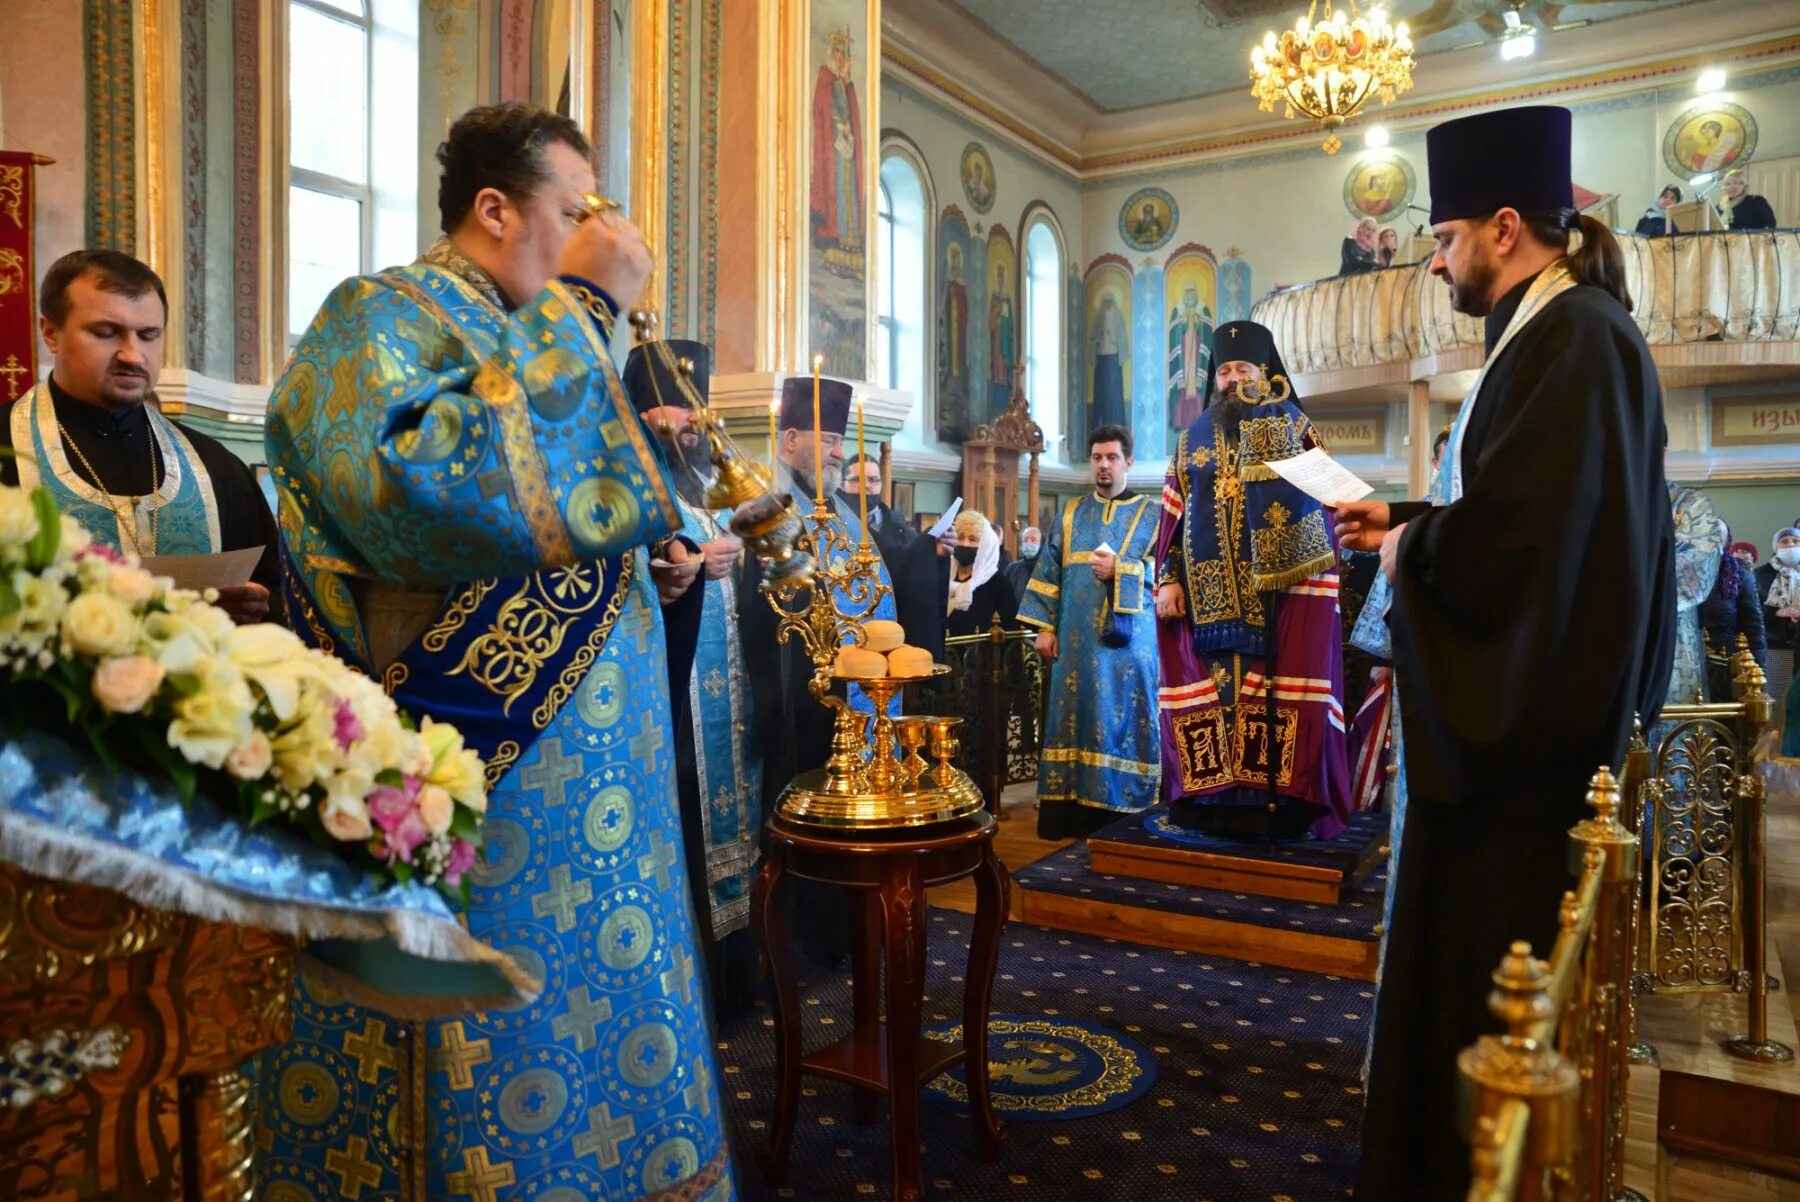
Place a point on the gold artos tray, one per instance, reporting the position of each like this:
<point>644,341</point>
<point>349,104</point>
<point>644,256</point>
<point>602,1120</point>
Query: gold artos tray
<point>887,785</point>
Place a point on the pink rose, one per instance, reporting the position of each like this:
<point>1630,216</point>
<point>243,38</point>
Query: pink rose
<point>462,858</point>
<point>436,809</point>
<point>251,760</point>
<point>404,839</point>
<point>102,551</point>
<point>346,729</point>
<point>389,807</point>
<point>125,684</point>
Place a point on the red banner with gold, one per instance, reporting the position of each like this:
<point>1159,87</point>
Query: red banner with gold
<point>18,276</point>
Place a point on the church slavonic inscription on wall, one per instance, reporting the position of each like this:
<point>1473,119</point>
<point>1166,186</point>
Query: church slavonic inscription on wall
<point>1756,421</point>
<point>1363,432</point>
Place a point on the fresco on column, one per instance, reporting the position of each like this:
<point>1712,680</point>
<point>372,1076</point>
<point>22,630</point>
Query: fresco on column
<point>1106,349</point>
<point>954,318</point>
<point>1235,293</point>
<point>1191,299</point>
<point>837,192</point>
<point>1001,327</point>
<point>1149,410</point>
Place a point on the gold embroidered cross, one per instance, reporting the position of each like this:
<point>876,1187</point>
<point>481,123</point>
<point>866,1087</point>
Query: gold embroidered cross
<point>1277,515</point>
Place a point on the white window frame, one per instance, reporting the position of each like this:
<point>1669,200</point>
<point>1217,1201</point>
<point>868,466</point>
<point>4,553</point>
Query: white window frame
<point>1037,365</point>
<point>887,321</point>
<point>333,185</point>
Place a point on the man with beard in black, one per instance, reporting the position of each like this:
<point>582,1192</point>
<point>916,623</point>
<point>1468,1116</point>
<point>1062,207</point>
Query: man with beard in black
<point>918,565</point>
<point>1533,615</point>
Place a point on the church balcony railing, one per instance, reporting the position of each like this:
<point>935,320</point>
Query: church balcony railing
<point>1715,307</point>
<point>1544,1106</point>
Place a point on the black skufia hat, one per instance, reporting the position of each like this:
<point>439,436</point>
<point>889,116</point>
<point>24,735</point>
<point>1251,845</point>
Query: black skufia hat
<point>1244,342</point>
<point>1515,158</point>
<point>797,404</point>
<point>652,378</point>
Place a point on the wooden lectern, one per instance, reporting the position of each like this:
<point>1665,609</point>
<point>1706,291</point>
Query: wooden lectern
<point>990,476</point>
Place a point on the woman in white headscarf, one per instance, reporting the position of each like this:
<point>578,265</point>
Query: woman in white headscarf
<point>1779,583</point>
<point>977,590</point>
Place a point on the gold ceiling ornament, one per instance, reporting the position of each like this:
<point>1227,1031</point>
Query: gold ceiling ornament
<point>1329,70</point>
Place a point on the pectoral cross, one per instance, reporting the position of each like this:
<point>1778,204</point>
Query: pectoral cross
<point>12,370</point>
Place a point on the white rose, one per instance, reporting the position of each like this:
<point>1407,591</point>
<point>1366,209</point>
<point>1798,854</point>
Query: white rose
<point>251,760</point>
<point>41,605</point>
<point>98,624</point>
<point>435,809</point>
<point>18,520</point>
<point>346,819</point>
<point>125,684</point>
<point>213,721</point>
<point>133,586</point>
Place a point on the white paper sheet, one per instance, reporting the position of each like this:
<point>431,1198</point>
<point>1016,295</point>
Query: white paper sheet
<point>949,519</point>
<point>228,569</point>
<point>1320,477</point>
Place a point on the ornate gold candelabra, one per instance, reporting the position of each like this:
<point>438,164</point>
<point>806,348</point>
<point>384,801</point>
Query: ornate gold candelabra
<point>875,779</point>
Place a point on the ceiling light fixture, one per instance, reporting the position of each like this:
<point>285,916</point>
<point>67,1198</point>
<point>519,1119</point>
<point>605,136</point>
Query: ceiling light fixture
<point>1376,137</point>
<point>1330,70</point>
<point>1519,40</point>
<point>1711,80</point>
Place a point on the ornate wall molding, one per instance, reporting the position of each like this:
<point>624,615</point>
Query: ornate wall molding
<point>247,184</point>
<point>111,125</point>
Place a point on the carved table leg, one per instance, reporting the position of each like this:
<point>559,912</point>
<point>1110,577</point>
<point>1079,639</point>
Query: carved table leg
<point>865,961</point>
<point>768,914</point>
<point>217,1142</point>
<point>903,905</point>
<point>991,890</point>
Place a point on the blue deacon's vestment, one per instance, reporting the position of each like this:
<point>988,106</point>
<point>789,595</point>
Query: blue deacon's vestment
<point>1101,742</point>
<point>424,435</point>
<point>727,766</point>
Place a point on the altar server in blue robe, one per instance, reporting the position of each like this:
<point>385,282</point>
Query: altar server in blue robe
<point>718,768</point>
<point>1091,599</point>
<point>1533,615</point>
<point>466,497</point>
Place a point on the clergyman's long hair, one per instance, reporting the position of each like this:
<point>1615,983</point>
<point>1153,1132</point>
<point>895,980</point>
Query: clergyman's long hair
<point>1597,260</point>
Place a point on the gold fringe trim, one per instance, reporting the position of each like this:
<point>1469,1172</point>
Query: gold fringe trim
<point>1256,473</point>
<point>1292,576</point>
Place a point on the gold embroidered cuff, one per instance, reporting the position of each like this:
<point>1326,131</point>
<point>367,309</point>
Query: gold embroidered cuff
<point>1128,588</point>
<point>1043,586</point>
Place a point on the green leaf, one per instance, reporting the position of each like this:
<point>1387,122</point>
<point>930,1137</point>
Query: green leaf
<point>73,699</point>
<point>466,824</point>
<point>96,732</point>
<point>9,596</point>
<point>152,737</point>
<point>42,548</point>
<point>391,777</point>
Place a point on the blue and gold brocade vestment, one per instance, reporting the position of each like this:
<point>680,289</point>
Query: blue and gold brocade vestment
<point>1101,742</point>
<point>424,435</point>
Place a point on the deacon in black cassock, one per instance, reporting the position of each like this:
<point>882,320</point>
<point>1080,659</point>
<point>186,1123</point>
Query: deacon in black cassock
<point>1533,617</point>
<point>135,480</point>
<point>916,563</point>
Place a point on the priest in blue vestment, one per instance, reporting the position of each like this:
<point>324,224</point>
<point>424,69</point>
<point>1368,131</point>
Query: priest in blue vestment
<point>1088,598</point>
<point>466,496</point>
<point>718,768</point>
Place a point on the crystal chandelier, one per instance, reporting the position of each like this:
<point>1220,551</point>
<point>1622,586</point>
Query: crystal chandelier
<point>1329,70</point>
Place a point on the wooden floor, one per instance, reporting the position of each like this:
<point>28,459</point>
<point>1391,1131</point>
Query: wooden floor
<point>1685,1031</point>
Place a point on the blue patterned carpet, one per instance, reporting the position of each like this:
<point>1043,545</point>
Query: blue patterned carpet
<point>1256,1096</point>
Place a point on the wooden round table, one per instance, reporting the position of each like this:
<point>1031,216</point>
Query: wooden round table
<point>885,874</point>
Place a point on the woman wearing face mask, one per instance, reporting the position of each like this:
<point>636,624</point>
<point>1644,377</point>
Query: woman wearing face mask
<point>1018,572</point>
<point>1731,610</point>
<point>977,590</point>
<point>1778,583</point>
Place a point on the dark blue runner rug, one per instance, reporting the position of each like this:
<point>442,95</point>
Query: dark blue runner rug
<point>1253,1092</point>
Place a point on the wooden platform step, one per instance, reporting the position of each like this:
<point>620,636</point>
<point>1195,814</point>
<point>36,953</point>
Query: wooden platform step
<point>1149,847</point>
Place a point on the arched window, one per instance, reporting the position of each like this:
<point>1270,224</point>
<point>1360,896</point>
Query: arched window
<point>900,357</point>
<point>1044,327</point>
<point>353,117</point>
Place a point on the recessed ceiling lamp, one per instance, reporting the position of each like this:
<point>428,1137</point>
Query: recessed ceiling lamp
<point>1711,80</point>
<point>1376,137</point>
<point>1519,40</point>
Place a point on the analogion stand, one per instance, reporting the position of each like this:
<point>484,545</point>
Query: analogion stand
<point>886,873</point>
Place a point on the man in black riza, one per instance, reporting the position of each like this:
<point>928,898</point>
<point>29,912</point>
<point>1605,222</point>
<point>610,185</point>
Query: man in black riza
<point>93,435</point>
<point>918,565</point>
<point>1532,616</point>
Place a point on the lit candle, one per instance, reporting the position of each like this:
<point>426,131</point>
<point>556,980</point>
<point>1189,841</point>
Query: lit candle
<point>862,490</point>
<point>774,411</point>
<point>818,449</point>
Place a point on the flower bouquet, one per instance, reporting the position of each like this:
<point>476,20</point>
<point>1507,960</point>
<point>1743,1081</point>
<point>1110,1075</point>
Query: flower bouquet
<point>273,730</point>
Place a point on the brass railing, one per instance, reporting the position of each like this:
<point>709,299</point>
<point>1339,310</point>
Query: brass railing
<point>1544,1106</point>
<point>996,685</point>
<point>1687,289</point>
<point>1702,809</point>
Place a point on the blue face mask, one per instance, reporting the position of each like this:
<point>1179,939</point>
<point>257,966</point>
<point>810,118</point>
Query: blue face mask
<point>1789,556</point>
<point>1028,550</point>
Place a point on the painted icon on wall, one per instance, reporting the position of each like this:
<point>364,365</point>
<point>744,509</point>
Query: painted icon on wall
<point>978,177</point>
<point>1147,219</point>
<point>1379,187</point>
<point>1711,136</point>
<point>837,275</point>
<point>956,289</point>
<point>1002,327</point>
<point>1108,348</point>
<point>1191,291</point>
